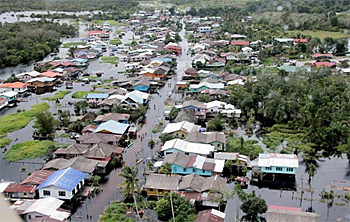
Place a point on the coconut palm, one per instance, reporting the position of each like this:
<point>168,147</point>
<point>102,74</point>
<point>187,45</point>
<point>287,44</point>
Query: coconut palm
<point>130,184</point>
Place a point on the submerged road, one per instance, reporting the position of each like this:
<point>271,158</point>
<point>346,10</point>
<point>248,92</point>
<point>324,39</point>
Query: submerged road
<point>96,205</point>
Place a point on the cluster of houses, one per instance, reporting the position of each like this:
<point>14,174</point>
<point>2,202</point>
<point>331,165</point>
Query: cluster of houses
<point>61,182</point>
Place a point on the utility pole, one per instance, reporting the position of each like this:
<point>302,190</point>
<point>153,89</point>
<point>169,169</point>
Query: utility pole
<point>172,207</point>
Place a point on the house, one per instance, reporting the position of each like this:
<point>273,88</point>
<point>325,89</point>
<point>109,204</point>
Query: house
<point>143,85</point>
<point>11,96</point>
<point>284,40</point>
<point>318,56</point>
<point>71,151</point>
<point>94,98</point>
<point>289,214</point>
<point>36,178</point>
<point>18,87</point>
<point>46,209</point>
<point>296,41</point>
<point>89,129</point>
<point>192,187</point>
<point>174,48</point>
<point>210,215</point>
<point>63,184</point>
<point>185,164</point>
<point>41,85</point>
<point>188,115</point>
<point>112,127</point>
<point>51,74</point>
<point>27,75</point>
<point>136,98</point>
<point>3,102</point>
<point>181,129</point>
<point>240,43</point>
<point>103,35</point>
<point>216,139</point>
<point>102,152</point>
<point>178,145</point>
<point>95,138</point>
<point>275,163</point>
<point>80,163</point>
<point>195,88</point>
<point>19,191</point>
<point>118,117</point>
<point>238,36</point>
<point>324,64</point>
<point>204,29</point>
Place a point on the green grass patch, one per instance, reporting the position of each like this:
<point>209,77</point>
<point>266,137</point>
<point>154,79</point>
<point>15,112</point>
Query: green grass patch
<point>320,34</point>
<point>103,86</point>
<point>250,147</point>
<point>82,94</point>
<point>70,44</point>
<point>280,133</point>
<point>64,135</point>
<point>16,121</point>
<point>28,150</point>
<point>4,142</point>
<point>118,32</point>
<point>109,59</point>
<point>115,42</point>
<point>111,22</point>
<point>58,95</point>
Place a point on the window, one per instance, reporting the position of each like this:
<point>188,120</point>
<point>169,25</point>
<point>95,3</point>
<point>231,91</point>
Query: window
<point>267,168</point>
<point>46,193</point>
<point>290,169</point>
<point>203,171</point>
<point>278,168</point>
<point>73,191</point>
<point>193,170</point>
<point>151,190</point>
<point>25,194</point>
<point>185,169</point>
<point>29,217</point>
<point>61,193</point>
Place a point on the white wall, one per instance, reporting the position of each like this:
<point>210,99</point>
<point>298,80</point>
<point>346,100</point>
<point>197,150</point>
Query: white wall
<point>54,193</point>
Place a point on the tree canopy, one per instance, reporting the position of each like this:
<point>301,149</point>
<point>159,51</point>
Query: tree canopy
<point>183,210</point>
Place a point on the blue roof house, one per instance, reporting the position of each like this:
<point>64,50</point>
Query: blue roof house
<point>112,127</point>
<point>94,98</point>
<point>63,184</point>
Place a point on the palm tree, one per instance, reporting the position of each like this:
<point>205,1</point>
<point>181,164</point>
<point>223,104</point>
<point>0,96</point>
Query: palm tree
<point>130,184</point>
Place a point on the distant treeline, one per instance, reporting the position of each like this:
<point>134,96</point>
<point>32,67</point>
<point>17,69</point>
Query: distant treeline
<point>291,15</point>
<point>67,5</point>
<point>22,42</point>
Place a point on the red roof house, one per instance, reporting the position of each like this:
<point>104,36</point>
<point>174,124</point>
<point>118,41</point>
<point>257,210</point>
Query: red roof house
<point>322,56</point>
<point>300,40</point>
<point>240,43</point>
<point>325,64</point>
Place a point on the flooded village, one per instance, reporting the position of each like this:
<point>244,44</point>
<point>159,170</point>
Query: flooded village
<point>152,118</point>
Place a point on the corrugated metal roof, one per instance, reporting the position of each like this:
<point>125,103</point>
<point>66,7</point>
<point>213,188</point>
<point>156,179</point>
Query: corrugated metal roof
<point>188,147</point>
<point>48,206</point>
<point>97,96</point>
<point>66,179</point>
<point>113,127</point>
<point>277,159</point>
<point>183,126</point>
<point>37,177</point>
<point>19,188</point>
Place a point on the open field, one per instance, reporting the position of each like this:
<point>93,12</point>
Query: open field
<point>28,150</point>
<point>320,34</point>
<point>58,95</point>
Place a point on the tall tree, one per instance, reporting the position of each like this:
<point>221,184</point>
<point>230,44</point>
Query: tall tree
<point>44,125</point>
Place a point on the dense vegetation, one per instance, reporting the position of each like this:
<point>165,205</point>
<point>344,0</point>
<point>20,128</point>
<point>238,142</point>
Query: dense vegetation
<point>312,105</point>
<point>26,41</point>
<point>29,150</point>
<point>276,16</point>
<point>65,5</point>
